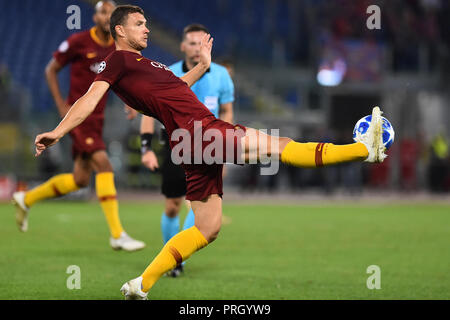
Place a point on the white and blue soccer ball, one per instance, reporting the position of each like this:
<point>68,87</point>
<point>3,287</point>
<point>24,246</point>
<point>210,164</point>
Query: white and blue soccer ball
<point>388,130</point>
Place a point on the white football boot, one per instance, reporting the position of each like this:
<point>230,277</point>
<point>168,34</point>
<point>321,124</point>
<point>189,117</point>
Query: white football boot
<point>125,242</point>
<point>132,290</point>
<point>21,210</point>
<point>373,138</point>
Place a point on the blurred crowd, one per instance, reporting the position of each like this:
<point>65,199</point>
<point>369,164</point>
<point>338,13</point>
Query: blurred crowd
<point>415,29</point>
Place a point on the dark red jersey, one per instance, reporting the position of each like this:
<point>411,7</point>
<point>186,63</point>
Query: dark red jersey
<point>151,88</point>
<point>84,51</point>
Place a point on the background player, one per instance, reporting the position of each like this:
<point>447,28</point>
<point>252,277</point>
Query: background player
<point>84,51</point>
<point>215,90</point>
<point>151,88</point>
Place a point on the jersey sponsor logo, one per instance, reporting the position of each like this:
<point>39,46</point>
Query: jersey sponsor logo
<point>91,55</point>
<point>160,66</point>
<point>63,46</point>
<point>98,67</point>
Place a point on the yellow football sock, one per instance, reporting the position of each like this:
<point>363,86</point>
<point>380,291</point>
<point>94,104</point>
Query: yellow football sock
<point>312,154</point>
<point>107,195</point>
<point>176,250</point>
<point>56,186</point>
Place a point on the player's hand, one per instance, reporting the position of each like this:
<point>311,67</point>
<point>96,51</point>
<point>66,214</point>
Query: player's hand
<point>44,141</point>
<point>205,50</point>
<point>130,112</point>
<point>149,160</point>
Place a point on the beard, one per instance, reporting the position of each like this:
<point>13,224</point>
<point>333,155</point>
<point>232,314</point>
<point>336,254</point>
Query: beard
<point>136,45</point>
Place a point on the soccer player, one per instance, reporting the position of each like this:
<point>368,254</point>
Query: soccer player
<point>84,51</point>
<point>215,90</point>
<point>151,88</point>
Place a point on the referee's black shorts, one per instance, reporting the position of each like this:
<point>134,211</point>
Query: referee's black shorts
<point>173,177</point>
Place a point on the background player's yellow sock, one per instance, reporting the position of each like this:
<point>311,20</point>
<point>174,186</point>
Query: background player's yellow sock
<point>107,195</point>
<point>312,154</point>
<point>56,186</point>
<point>177,249</point>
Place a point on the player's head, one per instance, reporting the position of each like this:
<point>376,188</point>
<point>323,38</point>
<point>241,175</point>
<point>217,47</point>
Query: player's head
<point>102,15</point>
<point>190,44</point>
<point>128,26</point>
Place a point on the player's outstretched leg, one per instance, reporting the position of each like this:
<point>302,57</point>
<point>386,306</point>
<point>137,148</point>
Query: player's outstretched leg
<point>107,195</point>
<point>180,247</point>
<point>56,186</point>
<point>369,148</point>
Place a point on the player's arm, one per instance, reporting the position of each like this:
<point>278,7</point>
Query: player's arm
<point>51,74</point>
<point>205,61</point>
<point>226,112</point>
<point>79,111</point>
<point>148,157</point>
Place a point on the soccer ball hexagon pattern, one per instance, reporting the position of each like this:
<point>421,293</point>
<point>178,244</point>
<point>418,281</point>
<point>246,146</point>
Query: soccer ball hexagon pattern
<point>388,130</point>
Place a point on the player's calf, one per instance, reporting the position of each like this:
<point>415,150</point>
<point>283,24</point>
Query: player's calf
<point>174,252</point>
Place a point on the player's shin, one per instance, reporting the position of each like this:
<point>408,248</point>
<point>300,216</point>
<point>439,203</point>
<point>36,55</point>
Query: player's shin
<point>107,195</point>
<point>312,154</point>
<point>176,250</point>
<point>57,186</point>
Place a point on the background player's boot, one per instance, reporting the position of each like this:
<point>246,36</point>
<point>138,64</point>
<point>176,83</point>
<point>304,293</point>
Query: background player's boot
<point>21,210</point>
<point>373,138</point>
<point>176,272</point>
<point>132,290</point>
<point>125,242</point>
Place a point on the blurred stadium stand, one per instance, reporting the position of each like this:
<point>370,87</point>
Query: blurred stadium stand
<point>35,30</point>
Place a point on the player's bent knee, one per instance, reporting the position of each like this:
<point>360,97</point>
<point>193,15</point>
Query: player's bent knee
<point>171,212</point>
<point>173,207</point>
<point>82,182</point>
<point>213,236</point>
<point>210,231</point>
<point>100,162</point>
<point>101,167</point>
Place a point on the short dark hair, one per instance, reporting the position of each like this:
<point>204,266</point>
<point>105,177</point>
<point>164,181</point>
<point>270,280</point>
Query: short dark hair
<point>119,15</point>
<point>194,27</point>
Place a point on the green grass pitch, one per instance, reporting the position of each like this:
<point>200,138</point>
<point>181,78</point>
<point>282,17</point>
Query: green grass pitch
<point>268,252</point>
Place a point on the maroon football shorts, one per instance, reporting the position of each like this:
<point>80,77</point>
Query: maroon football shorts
<point>204,179</point>
<point>87,138</point>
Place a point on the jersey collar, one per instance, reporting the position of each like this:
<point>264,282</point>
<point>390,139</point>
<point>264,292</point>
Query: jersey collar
<point>185,69</point>
<point>97,39</point>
